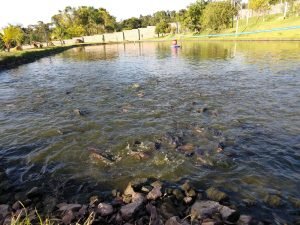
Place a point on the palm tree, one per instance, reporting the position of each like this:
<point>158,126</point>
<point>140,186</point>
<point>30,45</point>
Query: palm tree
<point>59,33</point>
<point>12,35</point>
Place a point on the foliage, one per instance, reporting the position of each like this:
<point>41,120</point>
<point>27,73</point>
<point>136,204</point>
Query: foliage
<point>162,28</point>
<point>296,9</point>
<point>218,15</point>
<point>84,21</point>
<point>131,23</point>
<point>259,5</point>
<point>2,46</point>
<point>12,36</point>
<point>192,17</point>
<point>59,33</point>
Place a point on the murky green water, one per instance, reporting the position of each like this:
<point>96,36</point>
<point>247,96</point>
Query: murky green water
<point>243,96</point>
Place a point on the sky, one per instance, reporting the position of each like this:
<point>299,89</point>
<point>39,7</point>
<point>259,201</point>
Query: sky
<point>26,12</point>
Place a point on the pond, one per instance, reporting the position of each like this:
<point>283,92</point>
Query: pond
<point>220,114</point>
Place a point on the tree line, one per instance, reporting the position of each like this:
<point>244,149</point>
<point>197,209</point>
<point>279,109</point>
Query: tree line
<point>87,20</point>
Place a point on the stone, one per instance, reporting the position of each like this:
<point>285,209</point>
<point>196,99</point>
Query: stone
<point>178,194</point>
<point>4,210</point>
<point>129,190</point>
<point>78,112</point>
<point>187,200</point>
<point>156,184</point>
<point>204,209</point>
<point>208,223</point>
<point>273,200</point>
<point>138,197</point>
<point>146,189</point>
<point>229,215</point>
<point>216,195</point>
<point>69,207</point>
<point>127,211</point>
<point>154,193</point>
<point>186,186</point>
<point>105,209</point>
<point>82,211</point>
<point>49,204</point>
<point>154,216</point>
<point>68,217</point>
<point>186,149</point>
<point>295,202</point>
<point>34,192</point>
<point>173,221</point>
<point>16,206</point>
<point>94,200</point>
<point>191,193</point>
<point>167,209</point>
<point>244,220</point>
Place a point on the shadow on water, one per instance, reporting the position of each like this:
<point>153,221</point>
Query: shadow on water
<point>153,111</point>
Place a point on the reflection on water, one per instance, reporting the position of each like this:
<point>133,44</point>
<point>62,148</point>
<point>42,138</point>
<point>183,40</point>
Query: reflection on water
<point>241,96</point>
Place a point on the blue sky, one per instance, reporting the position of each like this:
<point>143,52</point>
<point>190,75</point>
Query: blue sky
<point>27,12</point>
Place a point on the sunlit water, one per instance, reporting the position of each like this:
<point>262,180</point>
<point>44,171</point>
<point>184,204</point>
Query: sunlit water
<point>140,92</point>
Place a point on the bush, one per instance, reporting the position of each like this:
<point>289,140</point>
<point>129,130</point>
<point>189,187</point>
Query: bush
<point>218,15</point>
<point>2,47</point>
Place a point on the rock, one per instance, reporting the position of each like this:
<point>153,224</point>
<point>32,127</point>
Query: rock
<point>295,202</point>
<point>178,194</point>
<point>167,209</point>
<point>138,197</point>
<point>156,184</point>
<point>208,223</point>
<point>82,211</point>
<point>4,210</point>
<point>191,193</point>
<point>138,183</point>
<point>216,195</point>
<point>154,193</point>
<point>94,200</point>
<point>187,200</point>
<point>127,211</point>
<point>146,189</point>
<point>49,204</point>
<point>204,209</point>
<point>186,186</point>
<point>16,206</point>
<point>244,220</point>
<point>78,112</point>
<point>249,202</point>
<point>68,217</point>
<point>34,192</point>
<point>68,207</point>
<point>188,148</point>
<point>97,157</point>
<point>273,200</point>
<point>141,155</point>
<point>154,217</point>
<point>129,190</point>
<point>105,209</point>
<point>173,221</point>
<point>229,215</point>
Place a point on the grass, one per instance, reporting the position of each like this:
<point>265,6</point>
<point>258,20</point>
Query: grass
<point>23,218</point>
<point>254,24</point>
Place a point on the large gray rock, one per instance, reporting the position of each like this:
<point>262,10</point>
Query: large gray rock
<point>204,209</point>
<point>173,221</point>
<point>127,211</point>
<point>216,195</point>
<point>105,209</point>
<point>154,193</point>
<point>229,215</point>
<point>4,210</point>
<point>68,207</point>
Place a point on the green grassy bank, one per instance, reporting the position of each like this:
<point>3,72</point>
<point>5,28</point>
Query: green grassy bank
<point>254,24</point>
<point>13,59</point>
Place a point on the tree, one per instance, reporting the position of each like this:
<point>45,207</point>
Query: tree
<point>131,23</point>
<point>192,17</point>
<point>261,6</point>
<point>59,33</point>
<point>2,46</point>
<point>162,28</point>
<point>218,15</point>
<point>12,35</point>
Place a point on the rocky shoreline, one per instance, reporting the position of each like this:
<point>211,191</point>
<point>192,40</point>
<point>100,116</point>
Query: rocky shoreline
<point>144,201</point>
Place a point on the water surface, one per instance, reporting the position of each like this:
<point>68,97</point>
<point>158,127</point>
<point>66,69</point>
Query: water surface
<point>250,93</point>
